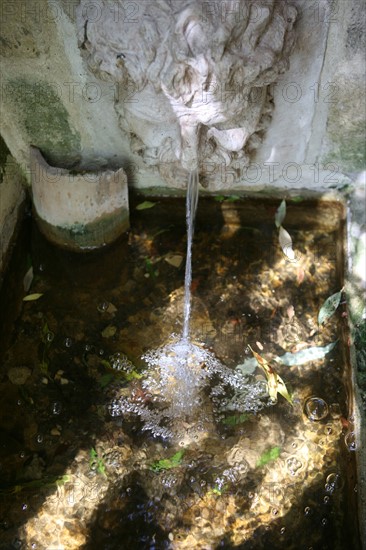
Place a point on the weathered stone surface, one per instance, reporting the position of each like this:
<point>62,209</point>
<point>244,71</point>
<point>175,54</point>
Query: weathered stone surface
<point>194,81</point>
<point>80,211</point>
<point>12,197</point>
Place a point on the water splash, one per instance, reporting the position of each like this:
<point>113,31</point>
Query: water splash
<point>184,381</point>
<point>191,208</point>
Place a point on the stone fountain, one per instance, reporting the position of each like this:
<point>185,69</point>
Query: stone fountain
<point>191,76</point>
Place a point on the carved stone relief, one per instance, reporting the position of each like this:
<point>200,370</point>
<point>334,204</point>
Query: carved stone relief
<point>192,78</point>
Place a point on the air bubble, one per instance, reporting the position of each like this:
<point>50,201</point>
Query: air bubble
<point>324,522</point>
<point>21,454</point>
<point>283,530</point>
<point>68,342</point>
<point>102,307</point>
<point>307,511</point>
<point>39,438</point>
<point>274,511</point>
<point>294,465</point>
<point>332,483</point>
<point>351,441</point>
<point>56,408</point>
<point>326,500</point>
<point>316,408</point>
<point>24,507</point>
<point>50,336</point>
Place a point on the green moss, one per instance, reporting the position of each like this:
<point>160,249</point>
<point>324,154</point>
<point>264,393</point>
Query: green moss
<point>46,121</point>
<point>348,151</point>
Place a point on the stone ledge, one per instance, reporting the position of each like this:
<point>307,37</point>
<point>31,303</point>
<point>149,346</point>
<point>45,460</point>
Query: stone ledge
<point>79,211</point>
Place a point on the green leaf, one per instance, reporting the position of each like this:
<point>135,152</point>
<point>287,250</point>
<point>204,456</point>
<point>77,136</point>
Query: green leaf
<point>43,367</point>
<point>133,375</point>
<point>32,297</point>
<point>234,420</point>
<point>145,205</point>
<point>219,198</point>
<point>329,307</point>
<point>232,198</point>
<point>297,199</point>
<point>268,456</point>
<point>105,379</point>
<point>167,463</point>
<point>97,463</point>
<point>305,355</point>
<point>280,214</point>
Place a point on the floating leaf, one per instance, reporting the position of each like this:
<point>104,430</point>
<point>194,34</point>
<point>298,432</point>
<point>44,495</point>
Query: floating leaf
<point>145,205</point>
<point>167,463</point>
<point>274,381</point>
<point>32,297</point>
<point>109,331</point>
<point>297,199</point>
<point>268,456</point>
<point>286,244</point>
<point>329,307</point>
<point>305,355</point>
<point>280,214</point>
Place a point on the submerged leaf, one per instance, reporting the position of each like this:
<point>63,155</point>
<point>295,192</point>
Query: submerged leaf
<point>28,278</point>
<point>32,297</point>
<point>285,240</point>
<point>329,307</point>
<point>168,463</point>
<point>268,456</point>
<point>280,214</point>
<point>105,379</point>
<point>174,259</point>
<point>145,205</point>
<point>234,420</point>
<point>301,357</point>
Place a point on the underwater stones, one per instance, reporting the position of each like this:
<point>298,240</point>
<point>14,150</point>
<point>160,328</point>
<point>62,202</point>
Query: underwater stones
<point>19,375</point>
<point>79,211</point>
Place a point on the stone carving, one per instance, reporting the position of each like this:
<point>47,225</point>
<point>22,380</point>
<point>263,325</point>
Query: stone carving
<point>191,77</point>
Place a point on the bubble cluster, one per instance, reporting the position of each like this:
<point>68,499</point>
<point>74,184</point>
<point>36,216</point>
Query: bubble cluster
<point>180,378</point>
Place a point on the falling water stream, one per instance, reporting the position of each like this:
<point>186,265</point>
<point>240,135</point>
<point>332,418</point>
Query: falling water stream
<point>191,208</point>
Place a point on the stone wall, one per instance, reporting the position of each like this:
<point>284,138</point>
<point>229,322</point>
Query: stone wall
<point>53,98</point>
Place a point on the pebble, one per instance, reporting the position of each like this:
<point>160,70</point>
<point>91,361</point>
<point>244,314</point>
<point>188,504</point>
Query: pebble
<point>55,432</point>
<point>19,375</point>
